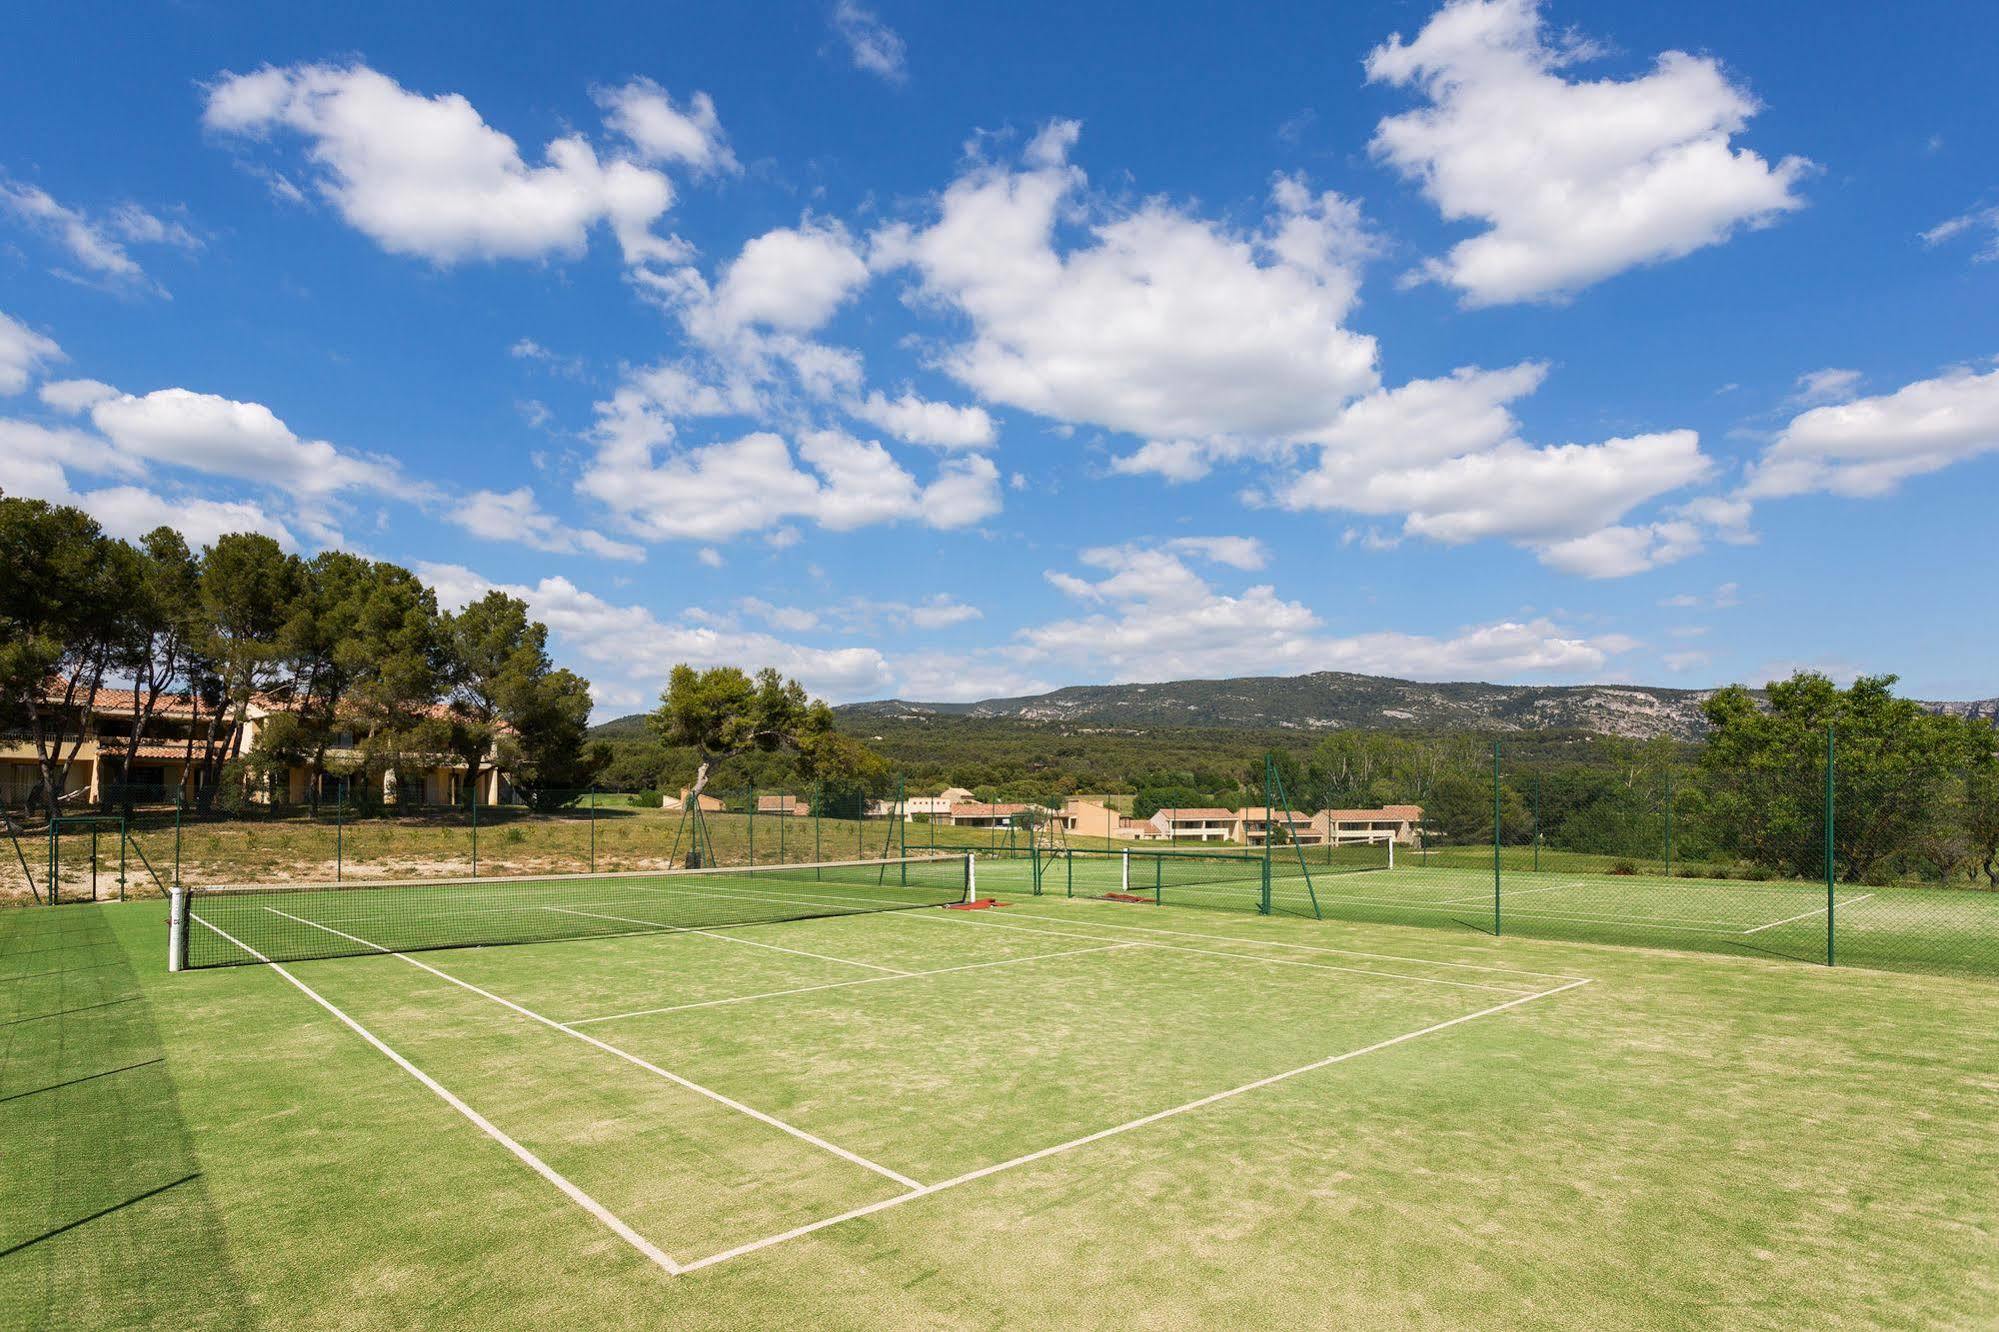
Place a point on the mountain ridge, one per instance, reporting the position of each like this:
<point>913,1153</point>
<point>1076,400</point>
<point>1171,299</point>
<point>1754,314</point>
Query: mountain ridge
<point>1341,700</point>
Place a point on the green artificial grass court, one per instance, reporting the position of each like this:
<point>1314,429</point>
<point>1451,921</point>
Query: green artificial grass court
<point>1681,1140</point>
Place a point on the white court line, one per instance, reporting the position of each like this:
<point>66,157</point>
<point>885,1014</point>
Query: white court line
<point>486,1126</point>
<point>1684,925</point>
<point>1259,961</point>
<point>969,1176</point>
<point>839,985</point>
<point>1510,893</point>
<point>1313,948</point>
<point>1245,957</point>
<point>625,1055</point>
<point>730,938</point>
<point>1806,915</point>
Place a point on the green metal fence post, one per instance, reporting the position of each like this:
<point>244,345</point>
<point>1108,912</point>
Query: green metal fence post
<point>818,804</point>
<point>753,823</point>
<point>339,835</point>
<point>1495,838</point>
<point>123,831</point>
<point>1269,813</point>
<point>902,826</point>
<point>593,827</point>
<point>1669,823</point>
<point>1537,823</point>
<point>1829,873</point>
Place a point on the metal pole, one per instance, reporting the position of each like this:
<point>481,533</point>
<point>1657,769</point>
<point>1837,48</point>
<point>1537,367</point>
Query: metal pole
<point>1268,813</point>
<point>180,802</point>
<point>1495,838</point>
<point>340,833</point>
<point>1829,815</point>
<point>753,822</point>
<point>124,831</point>
<point>1669,823</point>
<point>593,827</point>
<point>1537,823</point>
<point>475,834</point>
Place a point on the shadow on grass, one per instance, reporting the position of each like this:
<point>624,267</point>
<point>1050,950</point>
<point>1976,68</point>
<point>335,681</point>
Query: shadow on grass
<point>105,1219</point>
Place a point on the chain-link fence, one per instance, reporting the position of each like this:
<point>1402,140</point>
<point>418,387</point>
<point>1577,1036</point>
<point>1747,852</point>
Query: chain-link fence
<point>1806,859</point>
<point>1810,858</point>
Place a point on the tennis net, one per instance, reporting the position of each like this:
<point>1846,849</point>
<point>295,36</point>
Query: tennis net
<point>1230,879</point>
<point>295,922</point>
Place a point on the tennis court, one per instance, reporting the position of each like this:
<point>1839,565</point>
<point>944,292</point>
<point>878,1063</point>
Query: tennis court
<point>720,1062</point>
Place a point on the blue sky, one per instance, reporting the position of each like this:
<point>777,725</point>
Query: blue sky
<point>948,351</point>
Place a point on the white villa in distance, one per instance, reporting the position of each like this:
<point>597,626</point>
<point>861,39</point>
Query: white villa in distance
<point>1093,816</point>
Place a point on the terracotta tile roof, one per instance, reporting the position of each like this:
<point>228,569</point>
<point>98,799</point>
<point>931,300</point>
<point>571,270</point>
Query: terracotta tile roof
<point>1190,815</point>
<point>1387,814</point>
<point>975,810</point>
<point>108,699</point>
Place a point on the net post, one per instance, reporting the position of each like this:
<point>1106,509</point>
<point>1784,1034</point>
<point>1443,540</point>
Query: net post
<point>1391,850</point>
<point>1495,838</point>
<point>971,876</point>
<point>180,802</point>
<point>1124,876</point>
<point>1829,873</point>
<point>177,928</point>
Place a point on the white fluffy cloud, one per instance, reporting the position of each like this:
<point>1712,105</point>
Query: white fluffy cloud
<point>1869,446</point>
<point>514,516</point>
<point>1158,323</point>
<point>427,176</point>
<point>872,45</point>
<point>1161,620</point>
<point>245,440</point>
<point>130,512</point>
<point>97,244</point>
<point>1822,386</point>
<point>23,353</point>
<point>915,420</point>
<point>755,483</point>
<point>1575,181</point>
<point>689,136</point>
<point>1235,551</point>
<point>627,650</point>
<point>791,279</point>
<point>1445,455</point>
<point>1979,220</point>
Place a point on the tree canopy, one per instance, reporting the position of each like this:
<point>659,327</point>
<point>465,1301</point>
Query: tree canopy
<point>346,656</point>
